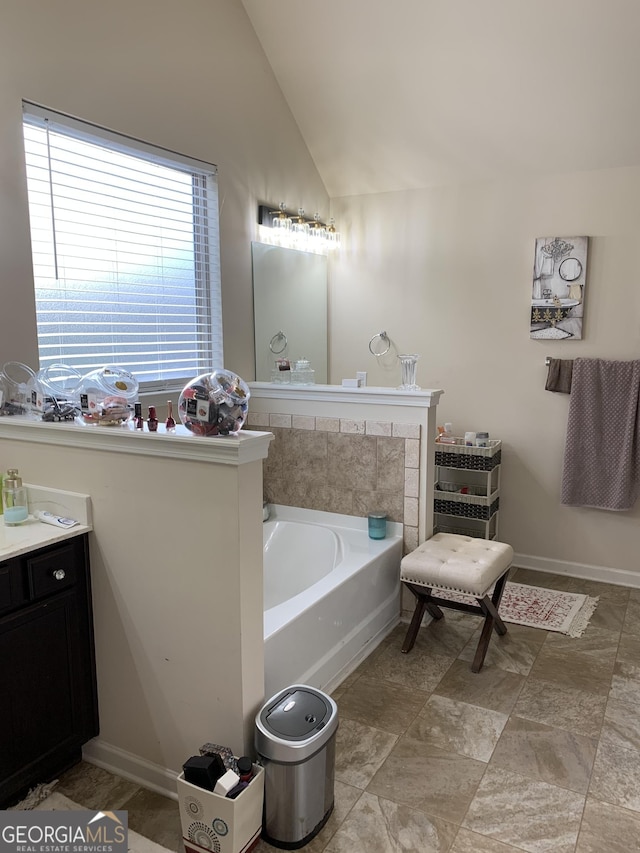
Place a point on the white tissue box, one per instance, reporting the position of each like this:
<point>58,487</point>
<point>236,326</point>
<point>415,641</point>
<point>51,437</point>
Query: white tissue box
<point>214,823</point>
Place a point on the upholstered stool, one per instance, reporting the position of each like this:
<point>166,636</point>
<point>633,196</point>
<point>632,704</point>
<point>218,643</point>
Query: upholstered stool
<point>460,564</point>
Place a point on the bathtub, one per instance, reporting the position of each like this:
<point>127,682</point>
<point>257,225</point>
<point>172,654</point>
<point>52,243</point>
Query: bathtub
<point>331,595</point>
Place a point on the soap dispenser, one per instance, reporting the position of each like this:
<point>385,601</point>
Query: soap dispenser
<point>14,499</point>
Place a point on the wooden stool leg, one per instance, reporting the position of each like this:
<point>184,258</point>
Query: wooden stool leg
<point>494,604</point>
<point>492,620</point>
<point>485,636</point>
<point>414,627</point>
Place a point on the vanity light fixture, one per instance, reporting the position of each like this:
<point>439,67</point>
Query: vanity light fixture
<point>296,231</point>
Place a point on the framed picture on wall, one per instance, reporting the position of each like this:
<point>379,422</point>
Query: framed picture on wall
<point>558,289</point>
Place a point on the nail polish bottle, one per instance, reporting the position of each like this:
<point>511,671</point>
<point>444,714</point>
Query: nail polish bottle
<point>137,415</point>
<point>152,421</point>
<point>170,424</point>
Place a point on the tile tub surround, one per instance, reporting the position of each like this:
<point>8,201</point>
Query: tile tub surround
<point>520,764</point>
<point>344,465</point>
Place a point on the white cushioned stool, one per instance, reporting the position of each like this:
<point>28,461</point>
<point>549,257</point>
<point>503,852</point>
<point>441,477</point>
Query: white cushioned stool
<point>460,564</point>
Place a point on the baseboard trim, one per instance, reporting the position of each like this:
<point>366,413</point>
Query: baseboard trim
<point>132,767</point>
<point>603,574</point>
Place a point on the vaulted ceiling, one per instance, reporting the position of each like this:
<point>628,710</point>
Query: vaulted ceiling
<point>402,94</point>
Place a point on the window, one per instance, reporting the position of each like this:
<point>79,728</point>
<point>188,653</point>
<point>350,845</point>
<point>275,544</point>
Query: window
<point>125,252</point>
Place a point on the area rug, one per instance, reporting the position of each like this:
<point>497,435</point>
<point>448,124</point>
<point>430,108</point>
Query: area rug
<point>44,798</point>
<point>537,607</point>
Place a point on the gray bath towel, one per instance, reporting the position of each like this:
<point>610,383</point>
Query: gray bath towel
<point>602,451</point>
<point>559,375</point>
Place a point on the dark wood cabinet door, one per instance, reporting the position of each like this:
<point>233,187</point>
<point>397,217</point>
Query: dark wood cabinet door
<point>47,697</point>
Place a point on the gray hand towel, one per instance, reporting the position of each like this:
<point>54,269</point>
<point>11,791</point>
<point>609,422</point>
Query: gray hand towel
<point>602,451</point>
<point>559,375</point>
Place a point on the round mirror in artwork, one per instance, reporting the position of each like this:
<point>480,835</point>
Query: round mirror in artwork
<point>570,269</point>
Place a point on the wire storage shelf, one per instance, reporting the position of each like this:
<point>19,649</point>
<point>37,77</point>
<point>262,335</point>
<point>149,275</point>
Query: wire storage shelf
<point>460,455</point>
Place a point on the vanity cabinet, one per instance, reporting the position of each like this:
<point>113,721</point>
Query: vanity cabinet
<point>466,494</point>
<point>48,699</point>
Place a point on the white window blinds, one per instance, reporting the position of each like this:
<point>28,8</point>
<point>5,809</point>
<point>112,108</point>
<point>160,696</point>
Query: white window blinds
<point>125,252</point>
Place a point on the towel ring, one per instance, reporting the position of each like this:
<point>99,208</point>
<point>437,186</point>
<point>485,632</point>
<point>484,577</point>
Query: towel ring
<point>383,337</point>
<point>279,336</point>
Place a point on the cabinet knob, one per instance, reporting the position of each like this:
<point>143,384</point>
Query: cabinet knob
<point>59,574</point>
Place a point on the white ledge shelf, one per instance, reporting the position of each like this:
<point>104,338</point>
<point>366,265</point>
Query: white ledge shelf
<point>247,446</point>
<point>380,396</point>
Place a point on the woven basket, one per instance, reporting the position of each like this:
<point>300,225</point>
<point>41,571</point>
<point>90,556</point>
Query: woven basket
<point>468,506</point>
<point>460,455</point>
<point>460,531</point>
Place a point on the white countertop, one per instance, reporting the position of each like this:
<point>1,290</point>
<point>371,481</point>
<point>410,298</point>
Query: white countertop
<point>34,534</point>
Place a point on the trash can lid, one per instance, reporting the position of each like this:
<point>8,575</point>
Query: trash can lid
<point>297,714</point>
<point>295,724</point>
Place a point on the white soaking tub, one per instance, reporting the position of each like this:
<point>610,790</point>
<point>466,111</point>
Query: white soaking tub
<point>331,595</point>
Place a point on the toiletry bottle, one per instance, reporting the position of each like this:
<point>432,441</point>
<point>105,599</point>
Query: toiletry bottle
<point>170,424</point>
<point>137,409</point>
<point>14,498</point>
<point>245,768</point>
<point>152,421</point>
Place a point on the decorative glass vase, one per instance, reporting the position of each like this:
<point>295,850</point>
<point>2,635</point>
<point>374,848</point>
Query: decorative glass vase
<point>408,372</point>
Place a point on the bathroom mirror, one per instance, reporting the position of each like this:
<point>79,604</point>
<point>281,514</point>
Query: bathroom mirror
<point>289,308</point>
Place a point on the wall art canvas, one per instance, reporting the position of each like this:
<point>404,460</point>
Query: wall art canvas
<point>557,294</point>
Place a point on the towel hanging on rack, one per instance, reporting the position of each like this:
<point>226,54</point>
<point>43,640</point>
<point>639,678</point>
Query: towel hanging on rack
<point>602,452</point>
<point>559,375</point>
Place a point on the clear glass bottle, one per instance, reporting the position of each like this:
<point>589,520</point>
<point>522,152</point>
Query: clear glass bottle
<point>14,499</point>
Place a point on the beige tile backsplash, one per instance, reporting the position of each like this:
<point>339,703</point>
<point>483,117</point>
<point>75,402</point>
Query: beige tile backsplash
<point>347,466</point>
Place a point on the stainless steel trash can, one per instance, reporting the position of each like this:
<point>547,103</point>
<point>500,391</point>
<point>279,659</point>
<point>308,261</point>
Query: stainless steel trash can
<point>295,739</point>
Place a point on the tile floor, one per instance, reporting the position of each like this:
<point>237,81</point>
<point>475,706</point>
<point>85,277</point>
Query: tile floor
<point>539,752</point>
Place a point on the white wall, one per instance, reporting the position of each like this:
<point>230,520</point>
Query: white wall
<point>447,273</point>
<point>189,76</point>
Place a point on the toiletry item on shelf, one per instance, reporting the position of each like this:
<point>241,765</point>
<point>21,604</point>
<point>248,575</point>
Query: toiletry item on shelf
<point>204,770</point>
<point>245,768</point>
<point>236,790</point>
<point>14,498</point>
<point>482,439</point>
<point>170,424</point>
<point>281,372</point>
<point>470,439</point>
<point>55,520</point>
<point>361,376</point>
<point>225,783</point>
<point>408,371</point>
<point>445,434</point>
<point>152,420</point>
<point>303,373</point>
<point>107,396</point>
<point>225,752</point>
<point>350,383</point>
<point>137,414</point>
<point>377,525</point>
